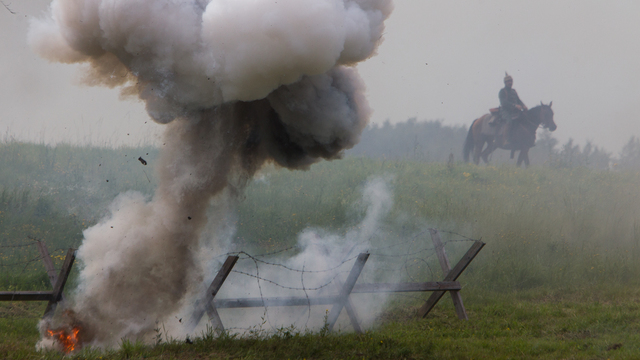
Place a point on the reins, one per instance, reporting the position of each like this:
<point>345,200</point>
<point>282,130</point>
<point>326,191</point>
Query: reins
<point>533,124</point>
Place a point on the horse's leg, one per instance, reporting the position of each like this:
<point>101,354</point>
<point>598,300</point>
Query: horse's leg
<point>519,159</point>
<point>513,153</point>
<point>490,148</point>
<point>523,157</point>
<point>477,151</point>
<point>525,154</point>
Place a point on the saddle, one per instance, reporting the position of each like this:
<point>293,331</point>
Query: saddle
<point>496,118</point>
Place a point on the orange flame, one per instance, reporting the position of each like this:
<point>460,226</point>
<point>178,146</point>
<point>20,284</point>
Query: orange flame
<point>68,339</point>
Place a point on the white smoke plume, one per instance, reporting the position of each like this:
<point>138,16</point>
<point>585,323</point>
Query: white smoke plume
<point>322,261</point>
<point>238,83</point>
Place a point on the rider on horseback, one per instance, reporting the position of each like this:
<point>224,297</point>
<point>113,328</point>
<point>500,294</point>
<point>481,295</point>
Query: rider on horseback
<point>511,107</point>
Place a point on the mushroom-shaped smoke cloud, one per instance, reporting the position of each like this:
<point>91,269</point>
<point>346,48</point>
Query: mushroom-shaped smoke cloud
<point>239,83</point>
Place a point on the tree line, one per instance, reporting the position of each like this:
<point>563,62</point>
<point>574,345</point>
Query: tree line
<point>431,141</point>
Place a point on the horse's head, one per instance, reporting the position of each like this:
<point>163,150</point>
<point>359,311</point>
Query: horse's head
<point>546,117</point>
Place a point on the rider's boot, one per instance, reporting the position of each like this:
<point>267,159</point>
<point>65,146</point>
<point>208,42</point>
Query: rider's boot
<point>507,132</point>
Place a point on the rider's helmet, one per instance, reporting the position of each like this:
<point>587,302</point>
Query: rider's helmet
<point>507,77</point>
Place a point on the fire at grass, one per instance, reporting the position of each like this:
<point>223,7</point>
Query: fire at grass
<point>237,87</point>
<point>302,288</point>
<point>69,337</point>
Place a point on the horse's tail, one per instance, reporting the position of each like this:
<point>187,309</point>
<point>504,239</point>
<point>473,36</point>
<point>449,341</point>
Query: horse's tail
<point>468,143</point>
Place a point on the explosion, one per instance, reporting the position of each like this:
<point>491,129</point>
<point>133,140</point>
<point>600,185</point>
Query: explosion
<point>68,339</point>
<point>65,334</point>
<point>238,83</point>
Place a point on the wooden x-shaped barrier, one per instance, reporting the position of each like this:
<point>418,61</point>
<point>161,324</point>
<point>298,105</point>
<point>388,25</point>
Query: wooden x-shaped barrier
<point>58,282</point>
<point>210,305</point>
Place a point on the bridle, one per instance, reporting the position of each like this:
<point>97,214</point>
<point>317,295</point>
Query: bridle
<point>541,119</point>
<point>545,124</point>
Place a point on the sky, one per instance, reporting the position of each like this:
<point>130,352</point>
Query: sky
<point>439,60</point>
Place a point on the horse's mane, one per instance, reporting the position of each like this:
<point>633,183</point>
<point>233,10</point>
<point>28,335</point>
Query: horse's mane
<point>536,110</point>
<point>539,107</point>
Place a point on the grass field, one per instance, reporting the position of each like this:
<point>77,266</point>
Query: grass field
<point>557,279</point>
<point>534,325</point>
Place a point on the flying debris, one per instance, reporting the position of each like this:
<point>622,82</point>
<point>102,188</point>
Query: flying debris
<point>238,84</point>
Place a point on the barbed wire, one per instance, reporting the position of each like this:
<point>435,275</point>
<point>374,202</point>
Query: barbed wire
<point>455,233</point>
<point>409,274</point>
<point>266,311</point>
<point>236,253</point>
<point>426,249</point>
<point>22,262</point>
<point>305,294</point>
<point>17,246</point>
<point>403,254</point>
<point>292,269</point>
<point>406,266</point>
<point>277,251</point>
<point>258,277</point>
<point>410,259</point>
<point>14,276</point>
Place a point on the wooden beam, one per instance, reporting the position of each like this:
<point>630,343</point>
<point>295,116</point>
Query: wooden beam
<point>275,301</point>
<point>207,305</point>
<point>214,318</point>
<point>446,267</point>
<point>406,287</point>
<point>346,290</point>
<point>439,247</point>
<point>452,276</point>
<point>353,316</point>
<point>48,264</point>
<point>60,282</point>
<point>351,311</point>
<point>328,300</point>
<point>25,295</point>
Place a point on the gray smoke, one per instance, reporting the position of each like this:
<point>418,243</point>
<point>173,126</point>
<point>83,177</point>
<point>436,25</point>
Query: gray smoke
<point>239,83</point>
<point>318,251</point>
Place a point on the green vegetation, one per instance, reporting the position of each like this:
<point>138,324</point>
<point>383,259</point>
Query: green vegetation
<point>552,228</point>
<point>558,277</point>
<point>430,141</point>
<point>504,326</point>
<point>52,194</point>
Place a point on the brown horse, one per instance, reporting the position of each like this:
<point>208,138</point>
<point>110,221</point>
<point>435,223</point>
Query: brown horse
<point>482,131</point>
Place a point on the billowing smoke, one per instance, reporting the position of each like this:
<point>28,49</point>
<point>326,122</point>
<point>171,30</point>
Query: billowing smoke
<point>322,261</point>
<point>238,83</point>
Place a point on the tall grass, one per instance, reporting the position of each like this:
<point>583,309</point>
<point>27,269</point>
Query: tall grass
<point>81,179</point>
<point>550,232</point>
<point>554,228</point>
<point>545,228</point>
<point>52,194</point>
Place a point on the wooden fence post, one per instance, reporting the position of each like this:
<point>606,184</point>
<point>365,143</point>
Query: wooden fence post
<point>351,311</point>
<point>346,290</point>
<point>446,267</point>
<point>342,300</point>
<point>207,303</point>
<point>451,276</point>
<point>56,295</point>
<point>48,264</point>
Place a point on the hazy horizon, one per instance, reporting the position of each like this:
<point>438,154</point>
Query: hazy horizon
<point>438,61</point>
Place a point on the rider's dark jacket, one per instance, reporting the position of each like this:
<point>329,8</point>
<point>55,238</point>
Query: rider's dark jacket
<point>508,100</point>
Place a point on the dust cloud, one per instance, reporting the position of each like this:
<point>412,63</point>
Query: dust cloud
<point>321,262</point>
<point>238,84</point>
